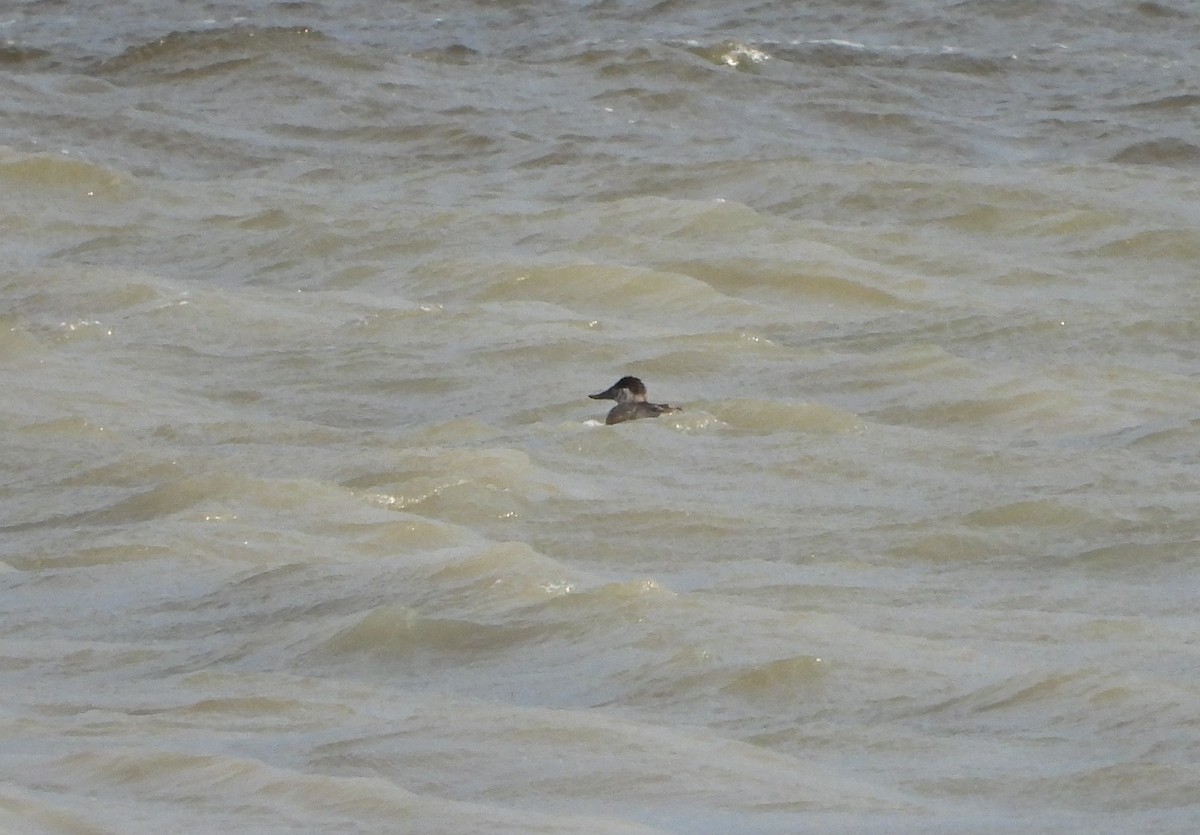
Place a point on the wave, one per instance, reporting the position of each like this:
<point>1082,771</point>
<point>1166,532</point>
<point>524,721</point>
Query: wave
<point>43,171</point>
<point>1166,151</point>
<point>204,52</point>
<point>763,416</point>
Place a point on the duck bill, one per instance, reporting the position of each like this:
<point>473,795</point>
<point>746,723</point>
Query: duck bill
<point>608,394</point>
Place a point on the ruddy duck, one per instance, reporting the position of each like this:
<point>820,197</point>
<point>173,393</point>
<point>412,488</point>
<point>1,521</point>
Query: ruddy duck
<point>630,394</point>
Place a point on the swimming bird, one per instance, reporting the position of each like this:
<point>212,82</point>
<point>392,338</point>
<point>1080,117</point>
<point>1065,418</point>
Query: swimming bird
<point>630,394</point>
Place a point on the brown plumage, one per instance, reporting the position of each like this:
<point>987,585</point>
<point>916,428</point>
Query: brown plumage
<point>630,394</point>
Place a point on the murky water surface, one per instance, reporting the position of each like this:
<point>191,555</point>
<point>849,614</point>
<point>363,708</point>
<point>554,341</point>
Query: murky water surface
<point>308,524</point>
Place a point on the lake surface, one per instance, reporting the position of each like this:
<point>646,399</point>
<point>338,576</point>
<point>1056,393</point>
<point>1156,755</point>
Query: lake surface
<point>308,524</point>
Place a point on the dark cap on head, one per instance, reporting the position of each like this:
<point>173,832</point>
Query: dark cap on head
<point>632,384</point>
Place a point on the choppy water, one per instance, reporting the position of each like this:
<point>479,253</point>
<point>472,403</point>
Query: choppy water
<point>307,524</point>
